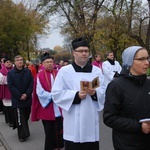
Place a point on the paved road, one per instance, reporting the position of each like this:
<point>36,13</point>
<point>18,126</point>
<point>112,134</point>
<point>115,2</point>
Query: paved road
<point>9,140</point>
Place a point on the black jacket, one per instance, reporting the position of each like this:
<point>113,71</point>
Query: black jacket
<point>128,101</point>
<point>20,82</point>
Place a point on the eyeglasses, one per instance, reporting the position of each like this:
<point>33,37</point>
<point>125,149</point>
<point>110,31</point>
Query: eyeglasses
<point>143,59</point>
<point>81,51</point>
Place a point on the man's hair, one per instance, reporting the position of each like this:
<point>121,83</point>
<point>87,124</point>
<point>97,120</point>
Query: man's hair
<point>18,56</point>
<point>98,54</point>
<point>107,53</point>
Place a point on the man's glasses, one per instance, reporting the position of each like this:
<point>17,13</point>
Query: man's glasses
<point>81,51</point>
<point>143,59</point>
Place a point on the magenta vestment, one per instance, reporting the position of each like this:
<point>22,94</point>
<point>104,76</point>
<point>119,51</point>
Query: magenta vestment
<point>97,63</point>
<point>4,91</point>
<point>38,112</point>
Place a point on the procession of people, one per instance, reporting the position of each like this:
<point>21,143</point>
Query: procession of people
<point>71,115</point>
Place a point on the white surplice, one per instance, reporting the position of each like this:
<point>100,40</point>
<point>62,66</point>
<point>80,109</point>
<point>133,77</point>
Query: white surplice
<point>109,70</point>
<point>81,121</point>
<point>45,97</point>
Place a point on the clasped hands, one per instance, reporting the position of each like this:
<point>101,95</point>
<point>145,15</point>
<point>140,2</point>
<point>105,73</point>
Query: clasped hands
<point>83,94</point>
<point>23,97</point>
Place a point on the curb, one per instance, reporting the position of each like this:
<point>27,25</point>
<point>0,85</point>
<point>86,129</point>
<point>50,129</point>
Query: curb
<point>3,144</point>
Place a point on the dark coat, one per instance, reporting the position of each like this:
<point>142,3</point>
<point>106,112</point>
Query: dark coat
<point>128,101</point>
<point>20,82</point>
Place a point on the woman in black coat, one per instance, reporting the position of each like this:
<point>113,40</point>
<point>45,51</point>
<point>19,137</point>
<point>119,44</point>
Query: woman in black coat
<point>128,102</point>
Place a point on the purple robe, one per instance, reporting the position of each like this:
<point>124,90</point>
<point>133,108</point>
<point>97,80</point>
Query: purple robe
<point>97,63</point>
<point>37,111</point>
<point>4,90</point>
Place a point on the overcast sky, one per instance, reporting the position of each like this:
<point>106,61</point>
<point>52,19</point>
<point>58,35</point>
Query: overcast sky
<point>54,38</point>
<point>51,41</point>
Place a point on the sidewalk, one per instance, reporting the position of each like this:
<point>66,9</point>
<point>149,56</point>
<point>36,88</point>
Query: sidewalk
<point>3,144</point>
<point>9,139</point>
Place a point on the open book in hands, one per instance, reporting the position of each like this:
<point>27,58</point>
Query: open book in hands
<point>90,84</point>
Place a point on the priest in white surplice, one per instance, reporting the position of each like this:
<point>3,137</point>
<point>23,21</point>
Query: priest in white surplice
<point>80,108</point>
<point>111,68</point>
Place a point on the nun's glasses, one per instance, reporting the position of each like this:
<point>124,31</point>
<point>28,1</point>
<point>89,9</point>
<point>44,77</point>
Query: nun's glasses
<point>143,59</point>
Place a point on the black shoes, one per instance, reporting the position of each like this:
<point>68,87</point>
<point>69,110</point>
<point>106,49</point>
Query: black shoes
<point>24,139</point>
<point>21,140</point>
<point>11,124</point>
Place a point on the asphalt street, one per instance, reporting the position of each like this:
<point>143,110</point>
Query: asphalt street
<point>9,140</point>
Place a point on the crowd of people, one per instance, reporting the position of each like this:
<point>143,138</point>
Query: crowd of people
<point>69,114</point>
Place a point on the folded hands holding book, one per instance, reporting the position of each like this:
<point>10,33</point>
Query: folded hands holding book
<point>88,87</point>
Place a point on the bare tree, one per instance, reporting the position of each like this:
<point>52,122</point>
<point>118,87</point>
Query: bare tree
<point>80,16</point>
<point>84,18</point>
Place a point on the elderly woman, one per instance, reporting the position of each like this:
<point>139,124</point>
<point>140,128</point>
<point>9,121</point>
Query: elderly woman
<point>128,102</point>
